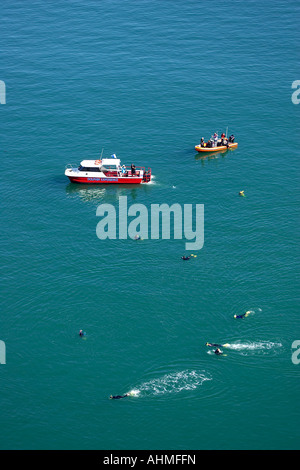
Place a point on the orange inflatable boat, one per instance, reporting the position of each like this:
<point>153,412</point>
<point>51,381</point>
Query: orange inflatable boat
<point>199,148</point>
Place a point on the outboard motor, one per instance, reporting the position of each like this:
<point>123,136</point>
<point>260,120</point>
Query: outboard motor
<point>147,176</point>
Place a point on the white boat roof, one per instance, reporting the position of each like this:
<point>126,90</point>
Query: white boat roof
<point>105,161</point>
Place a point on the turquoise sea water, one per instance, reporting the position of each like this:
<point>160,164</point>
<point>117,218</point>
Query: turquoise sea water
<point>146,80</point>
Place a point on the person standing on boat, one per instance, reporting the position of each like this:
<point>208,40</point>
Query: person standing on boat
<point>224,140</point>
<point>132,169</point>
<point>215,139</point>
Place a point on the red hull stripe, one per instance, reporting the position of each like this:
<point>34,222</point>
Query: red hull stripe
<point>105,180</point>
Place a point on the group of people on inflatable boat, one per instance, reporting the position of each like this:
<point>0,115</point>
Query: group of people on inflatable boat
<point>215,141</point>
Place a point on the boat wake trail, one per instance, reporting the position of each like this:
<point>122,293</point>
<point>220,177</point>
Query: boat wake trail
<point>171,383</point>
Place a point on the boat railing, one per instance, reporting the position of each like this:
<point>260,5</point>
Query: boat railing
<point>70,166</point>
<point>138,170</point>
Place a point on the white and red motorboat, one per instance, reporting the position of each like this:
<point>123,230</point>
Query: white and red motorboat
<point>107,171</point>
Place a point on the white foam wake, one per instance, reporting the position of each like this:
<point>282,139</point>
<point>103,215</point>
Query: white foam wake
<point>171,383</point>
<point>260,345</point>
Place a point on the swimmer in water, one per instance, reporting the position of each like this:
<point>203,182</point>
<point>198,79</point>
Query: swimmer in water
<point>187,257</point>
<point>243,315</point>
<point>218,352</point>
<point>241,193</point>
<point>117,397</point>
<point>81,333</point>
<point>214,345</point>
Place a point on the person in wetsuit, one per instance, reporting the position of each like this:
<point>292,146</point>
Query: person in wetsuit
<point>117,397</point>
<point>218,352</point>
<point>243,315</point>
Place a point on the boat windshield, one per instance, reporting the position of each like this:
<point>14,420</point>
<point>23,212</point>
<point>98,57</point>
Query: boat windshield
<point>86,168</point>
<point>111,167</point>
